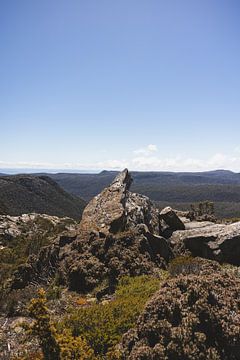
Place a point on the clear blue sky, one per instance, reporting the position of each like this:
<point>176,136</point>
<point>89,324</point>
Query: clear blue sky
<point>95,84</point>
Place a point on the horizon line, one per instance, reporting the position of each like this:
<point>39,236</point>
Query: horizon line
<point>29,170</point>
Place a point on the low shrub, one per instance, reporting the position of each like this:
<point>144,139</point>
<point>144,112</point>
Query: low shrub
<point>14,303</point>
<point>54,345</point>
<point>81,301</point>
<point>190,317</point>
<point>103,324</point>
<point>186,265</point>
<point>54,292</point>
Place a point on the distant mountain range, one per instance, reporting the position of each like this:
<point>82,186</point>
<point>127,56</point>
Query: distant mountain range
<point>166,188</point>
<point>21,194</point>
<point>154,184</point>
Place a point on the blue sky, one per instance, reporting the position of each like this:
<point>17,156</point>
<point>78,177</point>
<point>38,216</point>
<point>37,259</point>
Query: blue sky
<point>152,85</point>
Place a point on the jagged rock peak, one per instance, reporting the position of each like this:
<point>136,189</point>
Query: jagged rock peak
<point>122,180</point>
<point>106,210</point>
<point>117,209</point>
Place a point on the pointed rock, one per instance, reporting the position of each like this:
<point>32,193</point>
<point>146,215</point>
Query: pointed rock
<point>117,209</point>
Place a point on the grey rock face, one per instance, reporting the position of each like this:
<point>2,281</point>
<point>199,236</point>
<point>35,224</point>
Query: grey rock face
<point>169,222</point>
<point>117,209</point>
<point>171,219</point>
<point>140,210</point>
<point>105,212</point>
<point>213,241</point>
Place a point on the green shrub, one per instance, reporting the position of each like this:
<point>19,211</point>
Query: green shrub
<point>54,345</point>
<point>140,286</point>
<point>75,348</point>
<point>42,327</point>
<point>54,292</point>
<point>102,325</point>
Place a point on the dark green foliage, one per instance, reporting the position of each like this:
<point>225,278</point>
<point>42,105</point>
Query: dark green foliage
<point>190,317</point>
<point>53,292</point>
<point>203,211</point>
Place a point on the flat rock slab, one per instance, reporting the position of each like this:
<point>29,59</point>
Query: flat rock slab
<point>191,225</point>
<point>213,241</point>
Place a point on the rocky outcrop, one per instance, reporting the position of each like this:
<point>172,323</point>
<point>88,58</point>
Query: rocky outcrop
<point>117,209</point>
<point>118,235</point>
<point>122,233</point>
<point>28,235</point>
<point>208,240</point>
<point>15,228</point>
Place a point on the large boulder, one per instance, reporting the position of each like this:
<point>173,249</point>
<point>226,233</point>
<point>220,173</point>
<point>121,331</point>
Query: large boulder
<point>117,209</point>
<point>170,222</point>
<point>171,219</point>
<point>213,241</point>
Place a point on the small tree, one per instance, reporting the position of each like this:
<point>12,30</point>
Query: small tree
<point>211,208</point>
<point>55,346</point>
<point>42,327</point>
<point>200,209</point>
